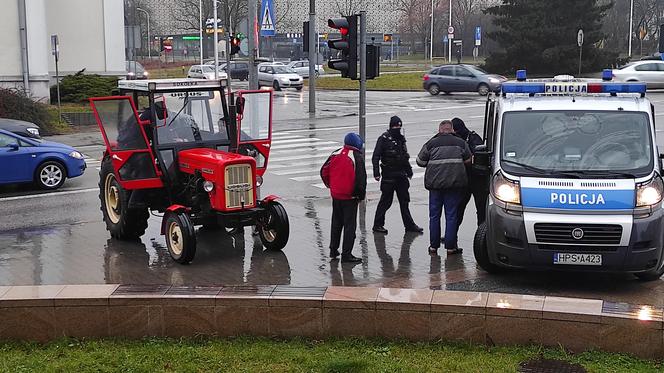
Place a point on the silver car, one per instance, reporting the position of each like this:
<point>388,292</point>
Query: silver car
<point>649,72</point>
<point>302,68</point>
<point>461,78</point>
<point>278,77</point>
<point>204,72</point>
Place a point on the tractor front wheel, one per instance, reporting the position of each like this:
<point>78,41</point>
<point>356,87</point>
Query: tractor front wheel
<point>121,221</point>
<point>274,228</point>
<point>180,237</point>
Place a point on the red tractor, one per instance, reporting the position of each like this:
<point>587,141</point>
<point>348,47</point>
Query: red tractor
<point>192,155</point>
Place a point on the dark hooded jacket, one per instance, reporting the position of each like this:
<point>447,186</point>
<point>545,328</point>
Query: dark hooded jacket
<point>470,137</point>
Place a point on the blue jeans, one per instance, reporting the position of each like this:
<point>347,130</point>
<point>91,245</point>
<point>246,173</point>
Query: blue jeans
<point>450,199</point>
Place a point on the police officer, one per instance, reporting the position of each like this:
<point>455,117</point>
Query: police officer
<point>391,156</point>
<point>476,185</point>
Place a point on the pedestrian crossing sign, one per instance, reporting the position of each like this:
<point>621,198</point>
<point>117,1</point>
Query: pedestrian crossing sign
<point>267,18</point>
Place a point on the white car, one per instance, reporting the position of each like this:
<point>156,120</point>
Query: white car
<point>650,72</point>
<point>302,68</point>
<point>278,77</point>
<point>204,72</point>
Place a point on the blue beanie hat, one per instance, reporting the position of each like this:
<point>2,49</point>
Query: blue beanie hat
<point>354,140</point>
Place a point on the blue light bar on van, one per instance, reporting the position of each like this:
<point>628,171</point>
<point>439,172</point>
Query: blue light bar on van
<point>572,88</point>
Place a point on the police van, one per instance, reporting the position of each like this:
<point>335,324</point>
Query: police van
<point>574,178</point>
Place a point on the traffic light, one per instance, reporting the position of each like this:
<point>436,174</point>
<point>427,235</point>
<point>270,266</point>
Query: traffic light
<point>373,61</point>
<point>347,45</point>
<point>235,44</point>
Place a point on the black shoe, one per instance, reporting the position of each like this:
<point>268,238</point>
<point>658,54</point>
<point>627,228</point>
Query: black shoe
<point>380,230</point>
<point>334,253</point>
<point>454,251</point>
<point>350,259</point>
<point>415,229</point>
<point>433,250</point>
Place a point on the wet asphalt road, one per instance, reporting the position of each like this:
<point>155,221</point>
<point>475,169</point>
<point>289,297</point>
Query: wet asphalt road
<point>59,238</point>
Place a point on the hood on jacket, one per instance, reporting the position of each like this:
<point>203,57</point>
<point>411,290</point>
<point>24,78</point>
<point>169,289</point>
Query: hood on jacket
<point>460,128</point>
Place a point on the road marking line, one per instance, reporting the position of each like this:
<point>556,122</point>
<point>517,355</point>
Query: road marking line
<point>328,149</point>
<point>301,139</point>
<point>305,178</point>
<point>41,195</point>
<point>312,144</point>
<point>323,154</point>
<point>371,181</point>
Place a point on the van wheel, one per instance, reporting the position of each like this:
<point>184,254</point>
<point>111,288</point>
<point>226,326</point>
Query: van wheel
<point>481,251</point>
<point>483,89</point>
<point>434,89</point>
<point>274,229</point>
<point>122,222</point>
<point>650,275</point>
<point>180,237</point>
<point>50,175</point>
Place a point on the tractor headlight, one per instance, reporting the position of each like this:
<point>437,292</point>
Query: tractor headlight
<point>259,181</point>
<point>505,189</point>
<point>650,192</point>
<point>76,155</point>
<point>208,186</point>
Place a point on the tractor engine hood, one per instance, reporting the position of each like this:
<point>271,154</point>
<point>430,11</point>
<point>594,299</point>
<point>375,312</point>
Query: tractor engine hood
<point>233,176</point>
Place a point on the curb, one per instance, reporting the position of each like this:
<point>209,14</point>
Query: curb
<point>47,312</point>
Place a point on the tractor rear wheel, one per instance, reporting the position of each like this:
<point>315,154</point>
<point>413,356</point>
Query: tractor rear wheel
<point>180,237</point>
<point>122,222</point>
<point>274,228</point>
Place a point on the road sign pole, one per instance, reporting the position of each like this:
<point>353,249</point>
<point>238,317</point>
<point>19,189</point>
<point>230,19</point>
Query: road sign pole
<point>216,43</point>
<point>56,54</point>
<point>449,42</point>
<point>579,41</point>
<point>313,59</point>
<point>251,35</point>
<point>363,74</point>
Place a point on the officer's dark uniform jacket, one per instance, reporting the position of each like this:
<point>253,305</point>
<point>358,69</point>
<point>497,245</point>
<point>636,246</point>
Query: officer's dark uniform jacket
<point>444,156</point>
<point>391,155</point>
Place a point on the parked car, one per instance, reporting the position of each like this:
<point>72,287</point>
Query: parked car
<point>302,68</point>
<point>20,127</point>
<point>47,164</point>
<point>135,70</point>
<point>204,72</point>
<point>461,78</point>
<point>278,77</point>
<point>650,72</point>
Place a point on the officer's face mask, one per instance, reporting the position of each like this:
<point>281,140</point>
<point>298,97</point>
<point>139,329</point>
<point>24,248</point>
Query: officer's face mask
<point>397,131</point>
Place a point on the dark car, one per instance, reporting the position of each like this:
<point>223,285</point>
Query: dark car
<point>239,70</point>
<point>461,78</point>
<point>135,70</point>
<point>19,127</point>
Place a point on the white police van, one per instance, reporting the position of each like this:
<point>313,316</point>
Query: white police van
<point>574,177</point>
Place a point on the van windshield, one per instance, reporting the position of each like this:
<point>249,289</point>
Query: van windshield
<point>583,143</point>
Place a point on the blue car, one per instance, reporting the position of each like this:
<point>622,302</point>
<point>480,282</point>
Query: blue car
<point>47,164</point>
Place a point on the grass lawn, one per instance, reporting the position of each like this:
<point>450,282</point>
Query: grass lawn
<point>170,72</point>
<point>405,81</point>
<point>265,355</point>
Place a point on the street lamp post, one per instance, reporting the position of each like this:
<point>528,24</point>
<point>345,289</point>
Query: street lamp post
<point>449,41</point>
<point>200,30</point>
<point>431,41</point>
<point>149,44</point>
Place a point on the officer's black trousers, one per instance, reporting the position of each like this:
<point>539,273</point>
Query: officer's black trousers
<point>388,187</point>
<point>344,217</point>
<point>480,195</point>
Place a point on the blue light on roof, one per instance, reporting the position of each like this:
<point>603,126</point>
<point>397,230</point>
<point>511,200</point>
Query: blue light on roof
<point>521,75</point>
<point>607,74</point>
<point>525,87</point>
<point>559,88</point>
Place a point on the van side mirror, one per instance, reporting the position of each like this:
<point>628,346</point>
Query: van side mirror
<point>482,159</point>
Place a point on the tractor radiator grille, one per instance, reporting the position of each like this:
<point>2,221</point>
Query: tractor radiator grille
<point>239,186</point>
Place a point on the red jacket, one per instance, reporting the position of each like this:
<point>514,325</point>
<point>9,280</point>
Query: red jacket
<point>345,174</point>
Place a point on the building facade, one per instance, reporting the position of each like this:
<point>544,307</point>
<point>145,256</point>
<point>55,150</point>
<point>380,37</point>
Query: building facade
<point>90,35</point>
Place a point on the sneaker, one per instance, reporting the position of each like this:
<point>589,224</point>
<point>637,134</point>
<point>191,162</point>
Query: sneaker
<point>379,230</point>
<point>350,258</point>
<point>334,253</point>
<point>415,229</point>
<point>433,250</point>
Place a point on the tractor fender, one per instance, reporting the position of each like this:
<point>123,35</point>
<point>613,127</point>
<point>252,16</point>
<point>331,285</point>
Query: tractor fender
<point>270,198</point>
<point>172,209</point>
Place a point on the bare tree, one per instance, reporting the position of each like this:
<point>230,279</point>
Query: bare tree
<point>416,19</point>
<point>231,12</point>
<point>348,7</point>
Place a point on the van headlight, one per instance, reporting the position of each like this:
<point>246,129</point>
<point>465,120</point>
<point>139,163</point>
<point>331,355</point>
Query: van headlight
<point>505,189</point>
<point>650,192</point>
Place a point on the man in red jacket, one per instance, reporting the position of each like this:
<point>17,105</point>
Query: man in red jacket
<point>345,174</point>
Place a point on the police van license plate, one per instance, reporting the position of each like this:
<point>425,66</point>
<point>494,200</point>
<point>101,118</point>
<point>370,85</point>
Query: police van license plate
<point>577,259</point>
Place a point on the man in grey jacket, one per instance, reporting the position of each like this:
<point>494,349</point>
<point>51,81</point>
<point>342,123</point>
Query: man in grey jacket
<point>444,157</point>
